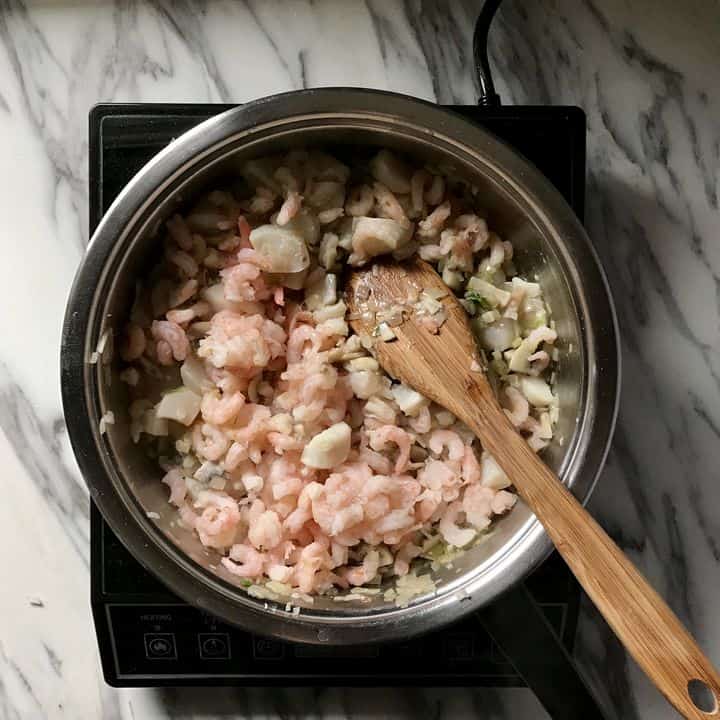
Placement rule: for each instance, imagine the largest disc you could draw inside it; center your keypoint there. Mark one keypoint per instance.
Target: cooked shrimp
(360, 201)
(221, 409)
(422, 422)
(183, 261)
(477, 505)
(391, 433)
(182, 317)
(431, 226)
(173, 336)
(290, 208)
(182, 293)
(516, 406)
(451, 531)
(539, 362)
(218, 523)
(244, 561)
(265, 531)
(447, 439)
(180, 232)
(178, 489)
(134, 343)
(209, 442)
(366, 572)
(470, 466)
(388, 205)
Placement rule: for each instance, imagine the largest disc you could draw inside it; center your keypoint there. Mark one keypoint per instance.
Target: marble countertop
(646, 73)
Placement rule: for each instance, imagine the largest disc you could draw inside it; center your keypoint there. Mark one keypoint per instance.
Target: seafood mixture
(284, 445)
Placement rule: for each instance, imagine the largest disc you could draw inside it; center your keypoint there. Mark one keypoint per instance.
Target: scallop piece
(328, 448)
(283, 249)
(375, 236)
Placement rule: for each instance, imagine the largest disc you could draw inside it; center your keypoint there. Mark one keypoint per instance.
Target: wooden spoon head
(444, 366)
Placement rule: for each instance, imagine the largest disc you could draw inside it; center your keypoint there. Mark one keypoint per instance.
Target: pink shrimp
(365, 572)
(516, 406)
(244, 230)
(447, 439)
(220, 410)
(218, 523)
(242, 282)
(242, 342)
(449, 529)
(311, 560)
(422, 422)
(180, 232)
(244, 561)
(209, 442)
(181, 317)
(435, 193)
(473, 229)
(265, 531)
(173, 335)
(183, 261)
(497, 252)
(477, 505)
(470, 466)
(164, 353)
(436, 475)
(289, 486)
(538, 362)
(360, 201)
(134, 343)
(178, 489)
(301, 335)
(417, 189)
(394, 434)
(379, 463)
(404, 557)
(503, 501)
(290, 208)
(279, 296)
(388, 205)
(428, 502)
(182, 293)
(431, 226)
(282, 443)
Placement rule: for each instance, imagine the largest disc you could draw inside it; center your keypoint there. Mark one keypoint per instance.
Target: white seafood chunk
(328, 448)
(284, 249)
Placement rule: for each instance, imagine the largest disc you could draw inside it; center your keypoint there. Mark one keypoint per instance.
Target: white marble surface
(647, 74)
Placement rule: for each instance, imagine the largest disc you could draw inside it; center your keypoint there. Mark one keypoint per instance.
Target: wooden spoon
(445, 368)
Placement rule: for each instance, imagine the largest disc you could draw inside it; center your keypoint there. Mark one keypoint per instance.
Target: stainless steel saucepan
(520, 204)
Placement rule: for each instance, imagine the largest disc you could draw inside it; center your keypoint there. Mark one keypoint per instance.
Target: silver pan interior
(519, 204)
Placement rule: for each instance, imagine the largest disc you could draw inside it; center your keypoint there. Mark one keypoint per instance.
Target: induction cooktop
(149, 637)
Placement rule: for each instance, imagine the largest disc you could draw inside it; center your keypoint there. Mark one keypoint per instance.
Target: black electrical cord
(488, 97)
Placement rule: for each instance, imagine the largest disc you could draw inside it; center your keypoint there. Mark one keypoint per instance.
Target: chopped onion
(193, 375)
(499, 335)
(181, 405)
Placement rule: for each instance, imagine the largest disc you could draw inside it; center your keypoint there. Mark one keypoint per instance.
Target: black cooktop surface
(148, 636)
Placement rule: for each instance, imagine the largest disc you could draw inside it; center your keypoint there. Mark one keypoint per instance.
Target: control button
(459, 647)
(160, 646)
(265, 649)
(214, 646)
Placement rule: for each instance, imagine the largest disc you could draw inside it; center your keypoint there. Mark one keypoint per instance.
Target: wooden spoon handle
(640, 618)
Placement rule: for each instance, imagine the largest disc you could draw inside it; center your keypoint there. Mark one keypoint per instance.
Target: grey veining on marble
(647, 74)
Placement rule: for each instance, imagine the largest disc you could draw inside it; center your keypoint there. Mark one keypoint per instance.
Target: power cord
(488, 97)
